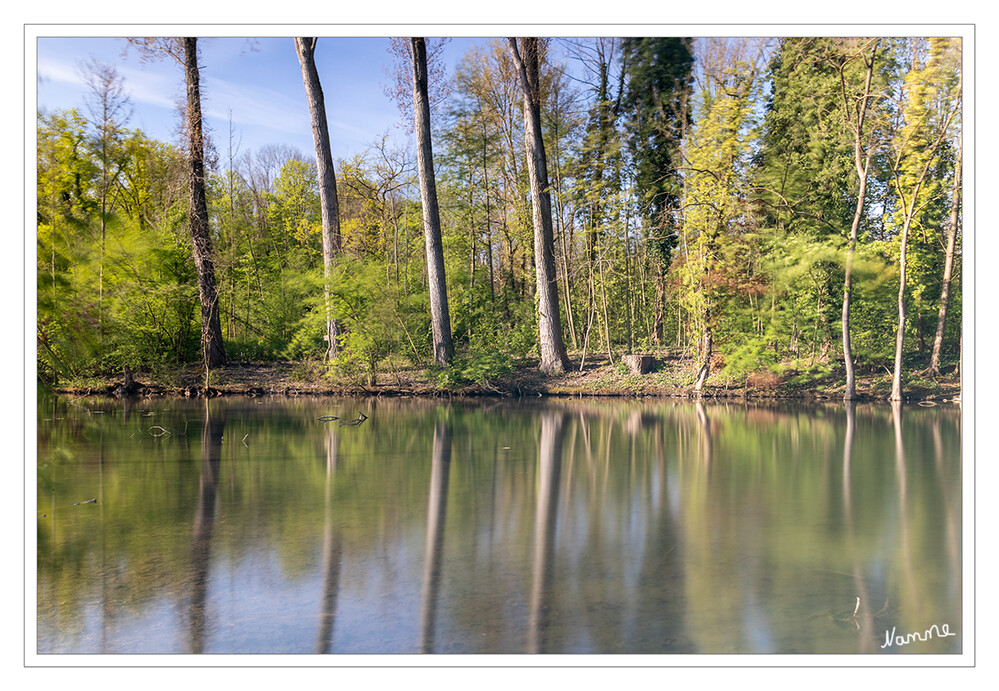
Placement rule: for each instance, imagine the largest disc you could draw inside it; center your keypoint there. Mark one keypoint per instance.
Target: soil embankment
(597, 377)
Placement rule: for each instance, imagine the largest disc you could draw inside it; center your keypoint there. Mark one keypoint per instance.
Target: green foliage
(806, 169)
(377, 320)
(676, 211)
(306, 325)
(659, 77)
(476, 365)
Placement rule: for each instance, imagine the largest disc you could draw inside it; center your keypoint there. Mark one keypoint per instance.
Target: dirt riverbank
(598, 377)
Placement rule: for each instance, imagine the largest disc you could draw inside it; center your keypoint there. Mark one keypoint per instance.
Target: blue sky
(256, 80)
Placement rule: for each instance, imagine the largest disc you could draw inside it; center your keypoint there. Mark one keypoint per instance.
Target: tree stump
(639, 364)
(129, 381)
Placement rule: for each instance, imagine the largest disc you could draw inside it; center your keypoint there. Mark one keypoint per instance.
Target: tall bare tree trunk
(862, 161)
(955, 214)
(553, 355)
(213, 349)
(439, 316)
(306, 49)
(851, 387)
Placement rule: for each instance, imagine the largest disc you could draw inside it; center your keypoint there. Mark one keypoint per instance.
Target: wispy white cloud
(264, 98)
(58, 72)
(268, 109)
(254, 106)
(155, 87)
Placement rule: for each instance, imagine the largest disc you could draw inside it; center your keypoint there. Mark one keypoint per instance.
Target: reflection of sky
(255, 607)
(756, 626)
(152, 629)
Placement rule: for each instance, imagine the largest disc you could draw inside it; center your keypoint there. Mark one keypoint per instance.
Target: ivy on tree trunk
(213, 349)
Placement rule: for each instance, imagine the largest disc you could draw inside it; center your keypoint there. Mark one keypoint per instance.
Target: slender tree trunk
(955, 211)
(707, 347)
(659, 323)
(862, 163)
(629, 312)
(306, 50)
(911, 208)
(472, 232)
(212, 346)
(553, 356)
(564, 253)
(489, 232)
(851, 388)
(896, 380)
(565, 287)
(439, 315)
(603, 299)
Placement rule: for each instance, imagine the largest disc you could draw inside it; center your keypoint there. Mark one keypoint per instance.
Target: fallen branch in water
(361, 417)
(164, 431)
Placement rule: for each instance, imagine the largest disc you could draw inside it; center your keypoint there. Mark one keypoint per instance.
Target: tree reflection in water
(436, 515)
(498, 527)
(332, 550)
(213, 427)
(546, 514)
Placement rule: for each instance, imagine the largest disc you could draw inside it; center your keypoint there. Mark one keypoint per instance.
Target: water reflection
(204, 522)
(861, 618)
(332, 550)
(568, 527)
(546, 515)
(436, 515)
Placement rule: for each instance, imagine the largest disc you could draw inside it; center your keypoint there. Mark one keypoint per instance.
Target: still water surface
(249, 526)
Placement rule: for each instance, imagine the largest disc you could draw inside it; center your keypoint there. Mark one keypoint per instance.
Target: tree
(110, 109)
(306, 50)
(185, 52)
(553, 356)
(659, 74)
(865, 144)
(211, 328)
(717, 213)
(599, 174)
(439, 316)
(931, 104)
(488, 88)
(948, 275)
(64, 175)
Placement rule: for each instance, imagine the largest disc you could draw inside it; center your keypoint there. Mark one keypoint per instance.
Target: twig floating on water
(163, 431)
(89, 501)
(327, 418)
(361, 417)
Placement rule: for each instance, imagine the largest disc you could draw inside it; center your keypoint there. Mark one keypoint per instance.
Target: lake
(249, 525)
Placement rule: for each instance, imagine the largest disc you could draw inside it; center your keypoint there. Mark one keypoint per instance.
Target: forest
(784, 208)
